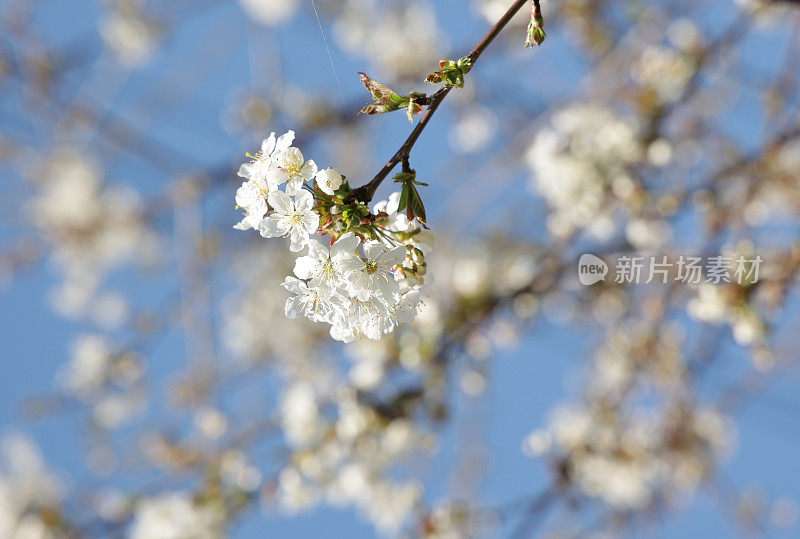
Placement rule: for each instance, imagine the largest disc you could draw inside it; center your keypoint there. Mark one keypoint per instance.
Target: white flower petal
(317, 251)
(293, 307)
(388, 287)
(374, 249)
(268, 145)
(309, 170)
(268, 227)
(284, 141)
(297, 240)
(350, 262)
(304, 201)
(246, 171)
(393, 203)
(347, 243)
(275, 177)
(394, 256)
(294, 285)
(246, 194)
(305, 267)
(310, 222)
(295, 186)
(281, 202)
(406, 308)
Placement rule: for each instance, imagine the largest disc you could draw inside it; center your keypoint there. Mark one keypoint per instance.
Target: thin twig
(365, 192)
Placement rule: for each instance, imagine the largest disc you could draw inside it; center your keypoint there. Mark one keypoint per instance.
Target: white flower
(398, 222)
(176, 515)
(293, 218)
(343, 331)
(269, 12)
(308, 302)
(578, 162)
(261, 175)
(397, 37)
(264, 162)
(26, 486)
(369, 317)
(250, 197)
(323, 266)
(292, 168)
(130, 37)
(329, 180)
(89, 366)
(300, 414)
(389, 206)
(373, 275)
(247, 194)
(406, 309)
(374, 316)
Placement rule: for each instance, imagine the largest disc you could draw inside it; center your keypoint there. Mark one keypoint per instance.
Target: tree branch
(365, 192)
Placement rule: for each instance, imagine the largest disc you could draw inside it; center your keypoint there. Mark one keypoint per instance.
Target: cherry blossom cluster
(366, 280)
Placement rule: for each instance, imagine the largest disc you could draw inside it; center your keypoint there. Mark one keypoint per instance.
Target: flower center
(293, 167)
(371, 267)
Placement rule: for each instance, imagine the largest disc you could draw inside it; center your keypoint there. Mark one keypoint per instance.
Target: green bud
(536, 33)
(451, 72)
(464, 64)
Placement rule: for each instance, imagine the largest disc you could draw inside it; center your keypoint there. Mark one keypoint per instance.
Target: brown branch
(365, 192)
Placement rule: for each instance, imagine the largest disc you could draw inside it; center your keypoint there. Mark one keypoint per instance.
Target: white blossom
(397, 37)
(324, 266)
(25, 486)
(176, 516)
(578, 162)
(250, 197)
(291, 168)
(329, 180)
(262, 165)
(269, 12)
(292, 218)
(361, 290)
(372, 275)
(130, 37)
(308, 302)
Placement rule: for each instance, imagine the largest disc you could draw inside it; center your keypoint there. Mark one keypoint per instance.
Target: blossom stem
(365, 192)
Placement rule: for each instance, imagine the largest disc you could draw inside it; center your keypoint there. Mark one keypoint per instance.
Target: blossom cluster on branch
(368, 280)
